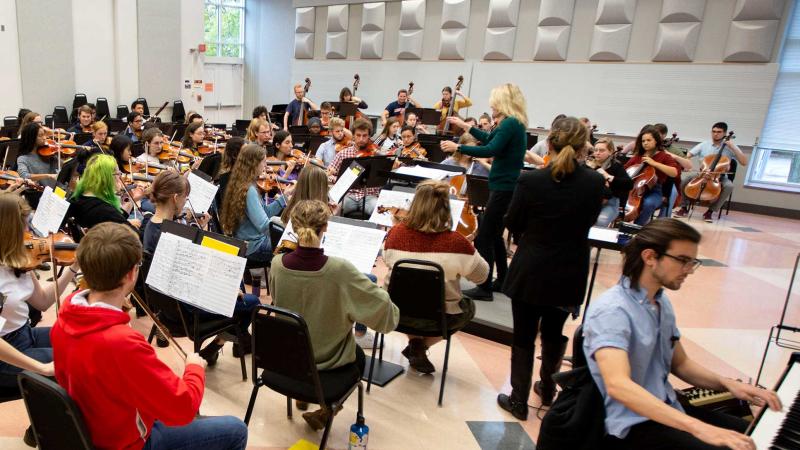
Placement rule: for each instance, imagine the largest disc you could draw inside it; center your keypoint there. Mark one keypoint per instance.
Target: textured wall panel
(610, 42)
(412, 15)
(682, 11)
(614, 12)
(371, 44)
(373, 17)
(676, 41)
(455, 14)
(337, 18)
(551, 44)
(304, 20)
(336, 45)
(503, 13)
(304, 45)
(453, 43)
(409, 44)
(758, 10)
(751, 41)
(556, 12)
(499, 43)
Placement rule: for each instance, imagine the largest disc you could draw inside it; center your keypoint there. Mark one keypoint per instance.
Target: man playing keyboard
(632, 344)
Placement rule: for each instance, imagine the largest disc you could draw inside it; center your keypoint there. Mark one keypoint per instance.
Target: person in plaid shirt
(361, 145)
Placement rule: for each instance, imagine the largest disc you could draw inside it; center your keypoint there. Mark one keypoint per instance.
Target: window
(776, 159)
(224, 28)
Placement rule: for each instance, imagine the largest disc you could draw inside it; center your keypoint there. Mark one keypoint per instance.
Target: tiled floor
(725, 311)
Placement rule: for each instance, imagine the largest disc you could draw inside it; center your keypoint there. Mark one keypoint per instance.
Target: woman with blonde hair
(259, 132)
(245, 214)
(617, 180)
(426, 234)
(553, 209)
(506, 143)
(330, 294)
(312, 184)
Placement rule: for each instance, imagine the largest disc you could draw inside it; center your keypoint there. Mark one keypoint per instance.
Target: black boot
(521, 373)
(552, 355)
(211, 353)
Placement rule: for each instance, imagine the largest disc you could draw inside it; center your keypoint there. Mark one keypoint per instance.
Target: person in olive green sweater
(331, 295)
(506, 144)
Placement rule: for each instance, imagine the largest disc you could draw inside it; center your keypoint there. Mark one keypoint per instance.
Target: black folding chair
(146, 108)
(122, 111)
(417, 288)
(57, 421)
(60, 115)
(282, 350)
(178, 112)
(102, 108)
(10, 121)
(77, 102)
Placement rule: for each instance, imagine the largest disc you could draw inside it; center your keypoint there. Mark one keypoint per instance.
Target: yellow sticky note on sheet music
(60, 192)
(219, 245)
(303, 444)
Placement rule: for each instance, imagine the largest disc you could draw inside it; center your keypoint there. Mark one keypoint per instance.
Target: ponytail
(309, 218)
(563, 163)
(566, 135)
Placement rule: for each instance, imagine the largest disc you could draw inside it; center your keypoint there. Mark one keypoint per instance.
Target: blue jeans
(262, 253)
(32, 342)
(211, 433)
(242, 311)
(360, 327)
(608, 213)
(667, 210)
(650, 202)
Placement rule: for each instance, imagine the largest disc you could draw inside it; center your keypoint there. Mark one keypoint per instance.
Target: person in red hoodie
(128, 397)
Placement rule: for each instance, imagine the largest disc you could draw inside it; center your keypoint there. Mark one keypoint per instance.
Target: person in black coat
(553, 208)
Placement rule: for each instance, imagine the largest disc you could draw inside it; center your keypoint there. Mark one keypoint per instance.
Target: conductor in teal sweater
(506, 144)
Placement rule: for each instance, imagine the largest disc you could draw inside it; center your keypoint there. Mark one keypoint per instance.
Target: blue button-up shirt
(707, 148)
(624, 318)
(326, 152)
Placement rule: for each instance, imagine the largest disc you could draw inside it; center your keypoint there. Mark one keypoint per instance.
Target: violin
(444, 125)
(39, 250)
(367, 151)
(207, 148)
(65, 148)
(415, 151)
(706, 186)
(644, 178)
(270, 183)
(398, 214)
(343, 144)
(468, 222)
(9, 176)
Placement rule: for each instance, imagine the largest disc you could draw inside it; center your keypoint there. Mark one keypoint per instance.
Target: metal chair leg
(380, 351)
(327, 431)
(372, 361)
(444, 371)
(251, 404)
(360, 398)
(153, 330)
(289, 407)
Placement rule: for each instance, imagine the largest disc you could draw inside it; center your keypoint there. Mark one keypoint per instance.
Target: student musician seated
(193, 137)
(632, 344)
(360, 145)
(138, 106)
(535, 155)
(259, 133)
(120, 148)
(30, 164)
(95, 199)
(152, 139)
(99, 137)
(409, 147)
(297, 109)
(315, 127)
(312, 184)
(398, 107)
(389, 139)
(649, 150)
(617, 180)
(709, 148)
(135, 126)
(283, 145)
(425, 233)
(413, 121)
(85, 120)
(325, 115)
(128, 397)
(338, 141)
(474, 166)
(245, 214)
(485, 122)
(229, 156)
(330, 294)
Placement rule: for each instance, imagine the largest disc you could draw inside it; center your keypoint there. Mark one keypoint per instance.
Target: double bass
(303, 118)
(706, 186)
(444, 125)
(402, 116)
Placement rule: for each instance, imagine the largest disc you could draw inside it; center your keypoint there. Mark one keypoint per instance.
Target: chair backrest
(60, 114)
(275, 233)
(275, 330)
(75, 231)
(102, 108)
(57, 421)
(146, 108)
(10, 121)
(178, 113)
(578, 357)
(9, 150)
(417, 288)
(78, 101)
(122, 111)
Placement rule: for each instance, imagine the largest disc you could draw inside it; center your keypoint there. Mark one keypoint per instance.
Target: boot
(417, 354)
(211, 353)
(521, 373)
(552, 355)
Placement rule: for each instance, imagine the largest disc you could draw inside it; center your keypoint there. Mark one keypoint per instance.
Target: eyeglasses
(688, 263)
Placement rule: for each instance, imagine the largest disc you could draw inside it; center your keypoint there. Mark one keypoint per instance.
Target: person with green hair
(95, 198)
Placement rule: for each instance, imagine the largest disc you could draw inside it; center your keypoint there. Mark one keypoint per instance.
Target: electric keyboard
(781, 429)
(723, 402)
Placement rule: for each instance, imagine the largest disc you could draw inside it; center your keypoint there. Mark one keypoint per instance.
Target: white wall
(126, 52)
(191, 68)
(95, 54)
(10, 79)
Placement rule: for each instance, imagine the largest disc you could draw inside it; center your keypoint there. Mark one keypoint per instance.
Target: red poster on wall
(209, 87)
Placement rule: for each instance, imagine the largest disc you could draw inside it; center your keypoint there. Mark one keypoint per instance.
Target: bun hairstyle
(309, 219)
(567, 137)
(430, 210)
(167, 184)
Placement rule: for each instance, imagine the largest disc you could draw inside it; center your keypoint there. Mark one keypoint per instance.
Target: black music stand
(344, 109)
(279, 108)
(599, 244)
(115, 125)
(298, 130)
(313, 142)
(426, 116)
(433, 150)
(477, 190)
(376, 174)
(532, 139)
(81, 138)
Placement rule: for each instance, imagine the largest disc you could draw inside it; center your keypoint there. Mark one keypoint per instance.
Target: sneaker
(683, 212)
(366, 340)
(211, 353)
(417, 355)
(708, 216)
(161, 341)
(479, 294)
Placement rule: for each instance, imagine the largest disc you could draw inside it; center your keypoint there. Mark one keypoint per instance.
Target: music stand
(376, 174)
(477, 190)
(346, 109)
(81, 138)
(298, 130)
(115, 125)
(435, 153)
(241, 124)
(532, 139)
(313, 142)
(279, 108)
(426, 116)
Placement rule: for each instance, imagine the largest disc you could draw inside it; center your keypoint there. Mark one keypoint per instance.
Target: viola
(468, 221)
(644, 178)
(39, 250)
(706, 186)
(9, 176)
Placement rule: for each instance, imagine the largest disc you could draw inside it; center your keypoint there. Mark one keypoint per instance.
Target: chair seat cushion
(335, 384)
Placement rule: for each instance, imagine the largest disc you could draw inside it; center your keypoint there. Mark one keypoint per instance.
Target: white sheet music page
(201, 194)
(403, 200)
(603, 234)
(344, 182)
(50, 212)
(359, 245)
(160, 272)
(425, 172)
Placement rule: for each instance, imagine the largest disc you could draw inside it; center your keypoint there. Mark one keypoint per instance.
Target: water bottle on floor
(359, 434)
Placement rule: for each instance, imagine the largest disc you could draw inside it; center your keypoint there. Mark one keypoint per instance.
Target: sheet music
(358, 245)
(201, 194)
(50, 213)
(403, 200)
(426, 172)
(344, 182)
(604, 234)
(196, 275)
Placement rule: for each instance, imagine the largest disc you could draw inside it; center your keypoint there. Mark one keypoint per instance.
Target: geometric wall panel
(373, 17)
(610, 42)
(499, 43)
(751, 41)
(613, 12)
(371, 44)
(304, 20)
(676, 41)
(556, 12)
(682, 11)
(455, 14)
(453, 43)
(758, 10)
(503, 13)
(412, 15)
(551, 43)
(337, 18)
(304, 45)
(409, 44)
(336, 45)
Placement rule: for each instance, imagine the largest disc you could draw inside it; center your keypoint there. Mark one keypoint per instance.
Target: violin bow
(53, 263)
(161, 328)
(130, 196)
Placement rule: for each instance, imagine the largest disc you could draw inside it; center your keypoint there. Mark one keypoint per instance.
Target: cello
(644, 178)
(468, 222)
(706, 186)
(444, 126)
